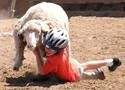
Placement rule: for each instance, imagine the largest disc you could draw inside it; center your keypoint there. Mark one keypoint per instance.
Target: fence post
(13, 3)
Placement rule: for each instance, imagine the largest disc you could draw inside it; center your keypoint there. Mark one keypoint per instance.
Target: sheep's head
(32, 39)
(31, 32)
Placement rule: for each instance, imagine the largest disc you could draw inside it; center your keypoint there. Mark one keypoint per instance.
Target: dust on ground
(92, 38)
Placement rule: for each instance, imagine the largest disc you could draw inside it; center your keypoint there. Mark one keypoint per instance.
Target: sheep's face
(32, 39)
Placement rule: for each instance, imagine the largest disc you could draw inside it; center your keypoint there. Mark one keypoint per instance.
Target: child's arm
(39, 59)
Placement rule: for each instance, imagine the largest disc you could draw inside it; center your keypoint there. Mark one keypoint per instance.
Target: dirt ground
(92, 38)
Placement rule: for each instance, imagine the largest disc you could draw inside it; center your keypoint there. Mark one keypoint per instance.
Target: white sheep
(30, 27)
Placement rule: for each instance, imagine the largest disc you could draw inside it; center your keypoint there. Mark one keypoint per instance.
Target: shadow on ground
(33, 80)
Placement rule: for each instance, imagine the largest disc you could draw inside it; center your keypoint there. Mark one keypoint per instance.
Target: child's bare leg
(113, 63)
(89, 74)
(92, 69)
(96, 64)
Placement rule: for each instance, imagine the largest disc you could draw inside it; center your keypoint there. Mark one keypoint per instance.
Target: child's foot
(100, 74)
(116, 63)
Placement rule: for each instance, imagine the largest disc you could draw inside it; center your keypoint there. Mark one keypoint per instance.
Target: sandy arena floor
(92, 38)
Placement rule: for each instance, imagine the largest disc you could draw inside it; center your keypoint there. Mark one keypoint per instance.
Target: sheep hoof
(15, 68)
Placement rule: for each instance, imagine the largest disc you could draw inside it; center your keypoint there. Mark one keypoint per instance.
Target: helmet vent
(50, 31)
(61, 42)
(56, 42)
(51, 41)
(58, 30)
(50, 37)
(62, 34)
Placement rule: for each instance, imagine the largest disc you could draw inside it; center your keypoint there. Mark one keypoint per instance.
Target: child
(66, 68)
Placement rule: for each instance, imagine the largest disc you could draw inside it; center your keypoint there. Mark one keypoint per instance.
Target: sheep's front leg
(19, 46)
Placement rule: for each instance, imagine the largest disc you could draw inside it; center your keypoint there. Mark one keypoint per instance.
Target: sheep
(33, 24)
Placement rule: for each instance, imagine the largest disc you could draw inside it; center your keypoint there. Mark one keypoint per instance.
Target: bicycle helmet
(56, 39)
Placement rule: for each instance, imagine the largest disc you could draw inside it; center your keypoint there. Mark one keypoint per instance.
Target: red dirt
(92, 38)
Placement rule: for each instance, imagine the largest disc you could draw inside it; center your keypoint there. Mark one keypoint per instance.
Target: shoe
(116, 63)
(100, 74)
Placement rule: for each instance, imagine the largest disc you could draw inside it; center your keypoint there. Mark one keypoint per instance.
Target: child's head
(55, 40)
